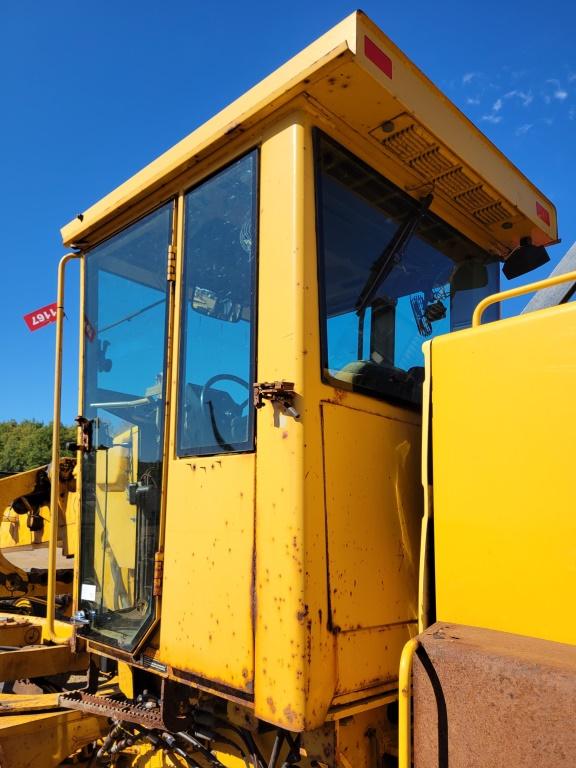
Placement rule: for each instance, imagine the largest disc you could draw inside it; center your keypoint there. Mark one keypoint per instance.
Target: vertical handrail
(404, 703)
(49, 629)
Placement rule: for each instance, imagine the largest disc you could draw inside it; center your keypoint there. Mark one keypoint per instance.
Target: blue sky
(91, 92)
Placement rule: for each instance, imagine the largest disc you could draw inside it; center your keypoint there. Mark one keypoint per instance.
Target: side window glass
(218, 309)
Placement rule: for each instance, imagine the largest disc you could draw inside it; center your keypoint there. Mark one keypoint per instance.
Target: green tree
(28, 444)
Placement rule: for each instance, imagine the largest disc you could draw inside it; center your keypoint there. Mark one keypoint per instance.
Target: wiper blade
(384, 263)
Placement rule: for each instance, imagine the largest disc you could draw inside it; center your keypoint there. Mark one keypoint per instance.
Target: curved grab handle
(520, 291)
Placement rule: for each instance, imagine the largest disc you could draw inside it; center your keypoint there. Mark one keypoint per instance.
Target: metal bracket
(281, 392)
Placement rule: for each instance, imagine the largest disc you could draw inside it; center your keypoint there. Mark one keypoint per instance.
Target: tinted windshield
(429, 285)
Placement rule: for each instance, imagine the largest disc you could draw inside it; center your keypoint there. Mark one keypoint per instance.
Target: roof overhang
(356, 74)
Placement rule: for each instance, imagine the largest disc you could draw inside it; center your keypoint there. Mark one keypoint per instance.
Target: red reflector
(378, 57)
(542, 213)
(41, 317)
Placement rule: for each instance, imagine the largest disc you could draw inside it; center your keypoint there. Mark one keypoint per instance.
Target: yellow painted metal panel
(369, 658)
(45, 739)
(373, 513)
(206, 627)
(504, 494)
(282, 672)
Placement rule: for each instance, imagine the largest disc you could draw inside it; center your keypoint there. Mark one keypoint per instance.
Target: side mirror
(524, 258)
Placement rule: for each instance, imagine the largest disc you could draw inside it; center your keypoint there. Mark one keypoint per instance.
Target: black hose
(259, 761)
(199, 747)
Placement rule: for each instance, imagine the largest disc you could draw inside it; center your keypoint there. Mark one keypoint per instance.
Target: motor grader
(325, 512)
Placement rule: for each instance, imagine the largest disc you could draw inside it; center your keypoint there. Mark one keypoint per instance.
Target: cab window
(218, 309)
(392, 275)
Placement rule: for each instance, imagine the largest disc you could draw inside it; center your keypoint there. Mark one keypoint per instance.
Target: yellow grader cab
(288, 510)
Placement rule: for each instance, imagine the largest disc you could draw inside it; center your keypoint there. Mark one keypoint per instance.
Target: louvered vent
(415, 147)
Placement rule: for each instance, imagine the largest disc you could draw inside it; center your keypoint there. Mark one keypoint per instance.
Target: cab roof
(355, 73)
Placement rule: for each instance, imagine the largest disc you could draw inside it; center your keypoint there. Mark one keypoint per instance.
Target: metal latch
(281, 392)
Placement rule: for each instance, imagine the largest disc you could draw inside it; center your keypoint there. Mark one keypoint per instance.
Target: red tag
(41, 317)
(542, 213)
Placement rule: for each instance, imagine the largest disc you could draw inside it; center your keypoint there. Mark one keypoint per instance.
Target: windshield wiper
(384, 263)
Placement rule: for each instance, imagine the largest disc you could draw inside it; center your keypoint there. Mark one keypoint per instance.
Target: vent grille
(416, 148)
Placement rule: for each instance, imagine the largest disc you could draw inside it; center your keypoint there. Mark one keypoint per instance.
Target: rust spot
(234, 129)
(245, 673)
(301, 615)
(284, 435)
(270, 702)
(339, 396)
(289, 714)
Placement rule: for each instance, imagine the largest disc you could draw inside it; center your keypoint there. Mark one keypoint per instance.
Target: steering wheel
(222, 442)
(224, 377)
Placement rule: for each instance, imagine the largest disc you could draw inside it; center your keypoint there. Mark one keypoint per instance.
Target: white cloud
(523, 129)
(572, 113)
(526, 97)
(472, 100)
(468, 77)
(492, 118)
(497, 106)
(572, 77)
(560, 93)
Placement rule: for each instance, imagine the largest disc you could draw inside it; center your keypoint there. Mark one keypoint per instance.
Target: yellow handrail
(404, 703)
(49, 630)
(519, 291)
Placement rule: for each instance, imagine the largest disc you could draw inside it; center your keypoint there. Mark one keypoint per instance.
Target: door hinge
(171, 267)
(158, 573)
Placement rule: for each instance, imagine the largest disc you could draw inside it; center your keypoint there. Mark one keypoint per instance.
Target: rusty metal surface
(486, 699)
(40, 661)
(119, 710)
